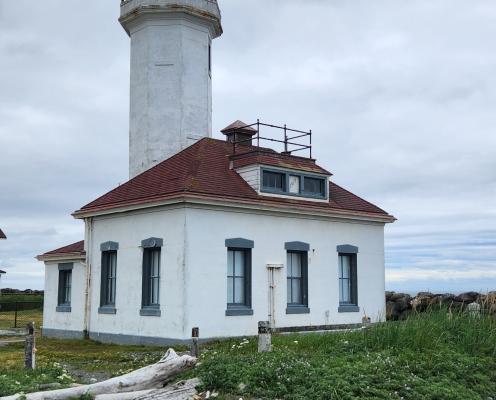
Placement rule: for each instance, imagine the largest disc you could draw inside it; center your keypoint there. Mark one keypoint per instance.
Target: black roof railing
(290, 146)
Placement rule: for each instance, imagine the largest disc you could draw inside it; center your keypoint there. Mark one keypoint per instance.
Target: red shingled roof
(2, 235)
(203, 170)
(275, 159)
(74, 248)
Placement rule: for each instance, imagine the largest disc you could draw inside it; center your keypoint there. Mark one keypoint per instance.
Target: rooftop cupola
(239, 132)
(171, 76)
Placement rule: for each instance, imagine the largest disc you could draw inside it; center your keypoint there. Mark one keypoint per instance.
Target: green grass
(12, 298)
(428, 356)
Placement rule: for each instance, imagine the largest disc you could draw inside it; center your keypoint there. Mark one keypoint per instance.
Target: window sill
(150, 312)
(63, 309)
(232, 312)
(348, 308)
(301, 195)
(297, 310)
(107, 310)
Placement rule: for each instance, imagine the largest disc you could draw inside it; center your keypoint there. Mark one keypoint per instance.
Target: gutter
(286, 209)
(62, 257)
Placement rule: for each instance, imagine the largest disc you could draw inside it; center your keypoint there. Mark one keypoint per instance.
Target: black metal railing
(290, 146)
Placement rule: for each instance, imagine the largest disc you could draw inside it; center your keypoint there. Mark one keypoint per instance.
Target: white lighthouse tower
(171, 80)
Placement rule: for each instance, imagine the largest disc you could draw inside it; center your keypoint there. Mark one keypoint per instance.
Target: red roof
(2, 235)
(264, 157)
(74, 248)
(203, 170)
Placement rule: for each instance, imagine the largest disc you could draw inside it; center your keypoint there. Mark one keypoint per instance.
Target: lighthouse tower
(171, 76)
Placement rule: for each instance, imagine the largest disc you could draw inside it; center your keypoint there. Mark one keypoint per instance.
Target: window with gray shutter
(151, 277)
(64, 288)
(239, 276)
(109, 277)
(348, 279)
(297, 282)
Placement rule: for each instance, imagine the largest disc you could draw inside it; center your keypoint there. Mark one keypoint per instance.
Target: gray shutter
(354, 279)
(304, 270)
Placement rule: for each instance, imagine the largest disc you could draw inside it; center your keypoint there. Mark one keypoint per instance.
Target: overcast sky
(401, 96)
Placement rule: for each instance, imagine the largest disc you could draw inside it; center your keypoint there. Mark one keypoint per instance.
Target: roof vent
(240, 133)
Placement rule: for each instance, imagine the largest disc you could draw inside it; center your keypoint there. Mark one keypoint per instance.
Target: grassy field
(12, 298)
(429, 356)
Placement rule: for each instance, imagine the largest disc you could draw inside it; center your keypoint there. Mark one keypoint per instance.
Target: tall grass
(435, 354)
(436, 329)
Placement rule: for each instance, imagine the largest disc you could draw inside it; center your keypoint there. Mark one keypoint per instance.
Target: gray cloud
(399, 94)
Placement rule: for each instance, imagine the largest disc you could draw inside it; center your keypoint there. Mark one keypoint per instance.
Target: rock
(403, 302)
(421, 302)
(468, 297)
(389, 295)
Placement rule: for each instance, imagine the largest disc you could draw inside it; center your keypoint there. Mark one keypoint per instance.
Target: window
(239, 276)
(297, 279)
(151, 277)
(152, 250)
(314, 186)
(109, 274)
(348, 281)
(294, 184)
(65, 288)
(274, 181)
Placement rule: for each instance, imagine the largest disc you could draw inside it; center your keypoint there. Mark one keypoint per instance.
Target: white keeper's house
(215, 234)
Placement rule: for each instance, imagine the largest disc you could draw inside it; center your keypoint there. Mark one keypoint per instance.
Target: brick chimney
(240, 133)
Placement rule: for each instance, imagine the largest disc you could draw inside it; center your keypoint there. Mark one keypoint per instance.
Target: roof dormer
(273, 173)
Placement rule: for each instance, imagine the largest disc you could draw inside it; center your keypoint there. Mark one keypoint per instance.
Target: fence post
(264, 337)
(15, 315)
(30, 348)
(195, 347)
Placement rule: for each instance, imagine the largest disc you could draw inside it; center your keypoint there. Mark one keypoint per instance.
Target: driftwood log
(183, 390)
(153, 376)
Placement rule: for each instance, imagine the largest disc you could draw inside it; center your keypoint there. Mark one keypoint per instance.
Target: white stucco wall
(70, 324)
(194, 266)
(206, 270)
(129, 230)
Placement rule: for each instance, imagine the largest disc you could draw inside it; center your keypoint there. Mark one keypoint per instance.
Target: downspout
(186, 316)
(87, 301)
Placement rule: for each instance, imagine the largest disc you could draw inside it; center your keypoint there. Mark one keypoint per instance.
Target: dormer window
(292, 183)
(274, 181)
(314, 186)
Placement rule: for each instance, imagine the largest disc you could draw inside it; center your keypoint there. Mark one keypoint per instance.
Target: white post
(264, 337)
(474, 309)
